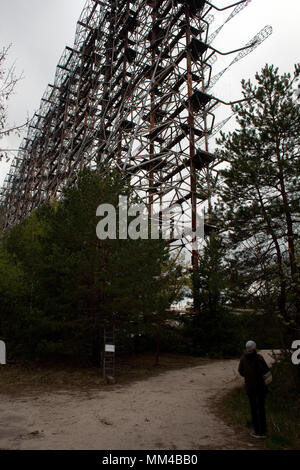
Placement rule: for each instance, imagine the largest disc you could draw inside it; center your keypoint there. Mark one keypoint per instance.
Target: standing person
(253, 367)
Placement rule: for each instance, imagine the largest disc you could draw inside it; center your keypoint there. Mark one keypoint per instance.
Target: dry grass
(24, 378)
(282, 411)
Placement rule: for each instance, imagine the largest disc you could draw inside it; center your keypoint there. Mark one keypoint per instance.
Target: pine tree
(213, 327)
(260, 189)
(76, 284)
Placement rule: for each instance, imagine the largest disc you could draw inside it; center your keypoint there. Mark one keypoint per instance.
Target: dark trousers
(257, 407)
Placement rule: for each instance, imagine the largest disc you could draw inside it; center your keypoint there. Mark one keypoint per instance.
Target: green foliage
(74, 284)
(282, 409)
(210, 278)
(60, 285)
(213, 330)
(13, 297)
(259, 194)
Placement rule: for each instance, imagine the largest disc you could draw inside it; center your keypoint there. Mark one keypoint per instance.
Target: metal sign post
(109, 355)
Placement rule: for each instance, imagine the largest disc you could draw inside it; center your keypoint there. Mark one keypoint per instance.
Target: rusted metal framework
(132, 93)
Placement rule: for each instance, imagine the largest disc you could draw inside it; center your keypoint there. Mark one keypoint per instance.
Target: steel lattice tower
(133, 93)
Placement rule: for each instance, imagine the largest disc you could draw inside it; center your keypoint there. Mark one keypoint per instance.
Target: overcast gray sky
(40, 29)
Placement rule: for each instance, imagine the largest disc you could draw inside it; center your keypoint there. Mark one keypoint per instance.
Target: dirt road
(171, 411)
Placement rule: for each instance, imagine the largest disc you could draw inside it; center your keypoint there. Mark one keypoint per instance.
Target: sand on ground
(174, 410)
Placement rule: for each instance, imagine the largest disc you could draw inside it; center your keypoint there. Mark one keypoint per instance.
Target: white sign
(110, 348)
(2, 353)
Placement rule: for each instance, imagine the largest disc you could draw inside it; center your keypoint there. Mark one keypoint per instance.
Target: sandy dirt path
(174, 410)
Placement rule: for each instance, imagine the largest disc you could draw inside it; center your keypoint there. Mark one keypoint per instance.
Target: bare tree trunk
(288, 217)
(282, 295)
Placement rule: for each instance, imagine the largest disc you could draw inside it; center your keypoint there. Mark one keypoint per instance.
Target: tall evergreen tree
(77, 284)
(213, 329)
(260, 189)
